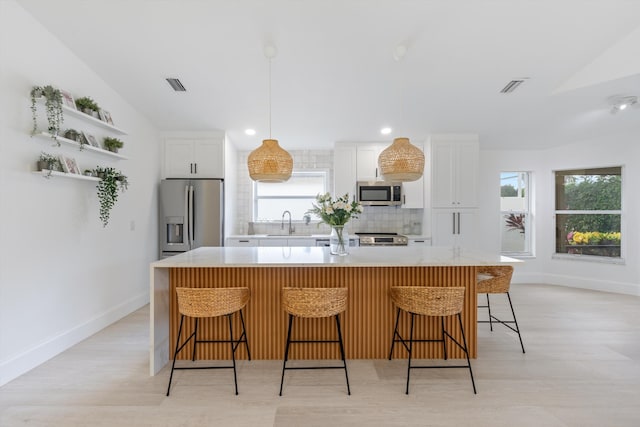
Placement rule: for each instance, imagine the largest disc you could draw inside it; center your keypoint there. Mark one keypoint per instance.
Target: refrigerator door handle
(187, 222)
(191, 217)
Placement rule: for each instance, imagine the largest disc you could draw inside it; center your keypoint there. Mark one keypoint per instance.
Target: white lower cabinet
(271, 241)
(419, 241)
(454, 227)
(233, 241)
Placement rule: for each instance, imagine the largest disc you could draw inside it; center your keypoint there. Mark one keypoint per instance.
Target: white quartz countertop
(390, 256)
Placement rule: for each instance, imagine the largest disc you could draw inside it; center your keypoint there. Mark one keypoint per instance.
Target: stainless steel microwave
(379, 193)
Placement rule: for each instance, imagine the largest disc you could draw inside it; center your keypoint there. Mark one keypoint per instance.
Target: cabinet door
(455, 228)
(367, 162)
(344, 171)
(301, 242)
(467, 157)
(413, 194)
(178, 155)
(208, 158)
(273, 242)
(443, 172)
(419, 241)
(241, 242)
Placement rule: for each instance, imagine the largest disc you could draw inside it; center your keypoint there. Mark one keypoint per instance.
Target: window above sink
(295, 195)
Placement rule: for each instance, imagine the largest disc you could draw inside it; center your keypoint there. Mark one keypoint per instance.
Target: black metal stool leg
(395, 332)
(344, 361)
(286, 352)
(444, 344)
(244, 332)
(175, 353)
(466, 352)
(195, 340)
(410, 351)
(233, 352)
(515, 322)
(489, 309)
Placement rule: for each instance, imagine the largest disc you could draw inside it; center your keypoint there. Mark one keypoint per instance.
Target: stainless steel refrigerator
(191, 214)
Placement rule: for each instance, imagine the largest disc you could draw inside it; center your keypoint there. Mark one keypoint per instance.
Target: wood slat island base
(367, 323)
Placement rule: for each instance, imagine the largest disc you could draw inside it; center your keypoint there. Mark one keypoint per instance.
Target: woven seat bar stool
(434, 302)
(200, 303)
(497, 280)
(314, 303)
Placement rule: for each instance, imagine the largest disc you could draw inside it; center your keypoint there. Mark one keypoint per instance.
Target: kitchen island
(368, 273)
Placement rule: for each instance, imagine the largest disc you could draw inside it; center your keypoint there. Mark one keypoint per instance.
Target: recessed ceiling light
(622, 103)
(385, 131)
(250, 132)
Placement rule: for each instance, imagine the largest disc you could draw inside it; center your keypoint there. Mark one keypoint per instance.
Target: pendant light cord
(269, 98)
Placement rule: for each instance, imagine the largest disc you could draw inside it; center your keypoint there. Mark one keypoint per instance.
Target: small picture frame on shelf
(69, 165)
(91, 140)
(67, 99)
(105, 116)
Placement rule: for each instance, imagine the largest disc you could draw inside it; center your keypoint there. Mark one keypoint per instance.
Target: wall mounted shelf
(88, 118)
(87, 147)
(45, 173)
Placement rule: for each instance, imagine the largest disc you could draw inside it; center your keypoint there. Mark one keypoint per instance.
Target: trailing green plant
(112, 144)
(108, 190)
(86, 103)
(53, 104)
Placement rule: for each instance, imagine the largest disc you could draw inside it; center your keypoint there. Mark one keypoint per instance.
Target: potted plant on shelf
(88, 106)
(110, 180)
(53, 104)
(48, 162)
(113, 144)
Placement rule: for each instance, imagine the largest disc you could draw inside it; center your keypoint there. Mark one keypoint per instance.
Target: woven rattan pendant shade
(270, 163)
(401, 161)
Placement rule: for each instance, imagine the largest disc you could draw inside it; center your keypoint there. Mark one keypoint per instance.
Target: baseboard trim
(578, 282)
(29, 359)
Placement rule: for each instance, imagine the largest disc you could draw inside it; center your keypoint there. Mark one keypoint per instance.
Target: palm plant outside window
(515, 213)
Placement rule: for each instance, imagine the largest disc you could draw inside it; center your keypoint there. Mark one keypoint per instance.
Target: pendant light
(269, 162)
(401, 161)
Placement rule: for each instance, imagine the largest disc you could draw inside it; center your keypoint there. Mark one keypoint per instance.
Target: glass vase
(339, 240)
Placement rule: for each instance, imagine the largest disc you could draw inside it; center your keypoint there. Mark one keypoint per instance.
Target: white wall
(62, 275)
(615, 150)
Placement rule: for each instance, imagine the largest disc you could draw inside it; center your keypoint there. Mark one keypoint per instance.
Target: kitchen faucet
(291, 229)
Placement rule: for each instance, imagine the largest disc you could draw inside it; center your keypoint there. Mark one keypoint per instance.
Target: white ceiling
(335, 78)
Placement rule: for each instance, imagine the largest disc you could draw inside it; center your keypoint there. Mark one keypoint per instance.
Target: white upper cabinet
(455, 172)
(194, 158)
(344, 170)
(367, 161)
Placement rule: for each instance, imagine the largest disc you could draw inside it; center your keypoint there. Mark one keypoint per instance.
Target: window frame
(307, 172)
(530, 225)
(620, 212)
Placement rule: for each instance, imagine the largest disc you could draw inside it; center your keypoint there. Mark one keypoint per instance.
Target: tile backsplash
(387, 219)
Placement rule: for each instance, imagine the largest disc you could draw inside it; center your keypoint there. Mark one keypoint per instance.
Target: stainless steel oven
(382, 239)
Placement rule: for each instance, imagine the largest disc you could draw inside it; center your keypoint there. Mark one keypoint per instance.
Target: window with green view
(589, 211)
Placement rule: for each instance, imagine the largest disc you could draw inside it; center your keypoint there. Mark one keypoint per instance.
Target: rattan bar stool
(497, 280)
(211, 302)
(314, 303)
(435, 302)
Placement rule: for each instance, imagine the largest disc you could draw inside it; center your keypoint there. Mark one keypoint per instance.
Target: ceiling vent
(511, 86)
(176, 85)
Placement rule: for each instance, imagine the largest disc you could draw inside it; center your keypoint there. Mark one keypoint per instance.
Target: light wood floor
(582, 368)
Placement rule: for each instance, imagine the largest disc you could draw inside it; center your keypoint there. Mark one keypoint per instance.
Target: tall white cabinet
(454, 189)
